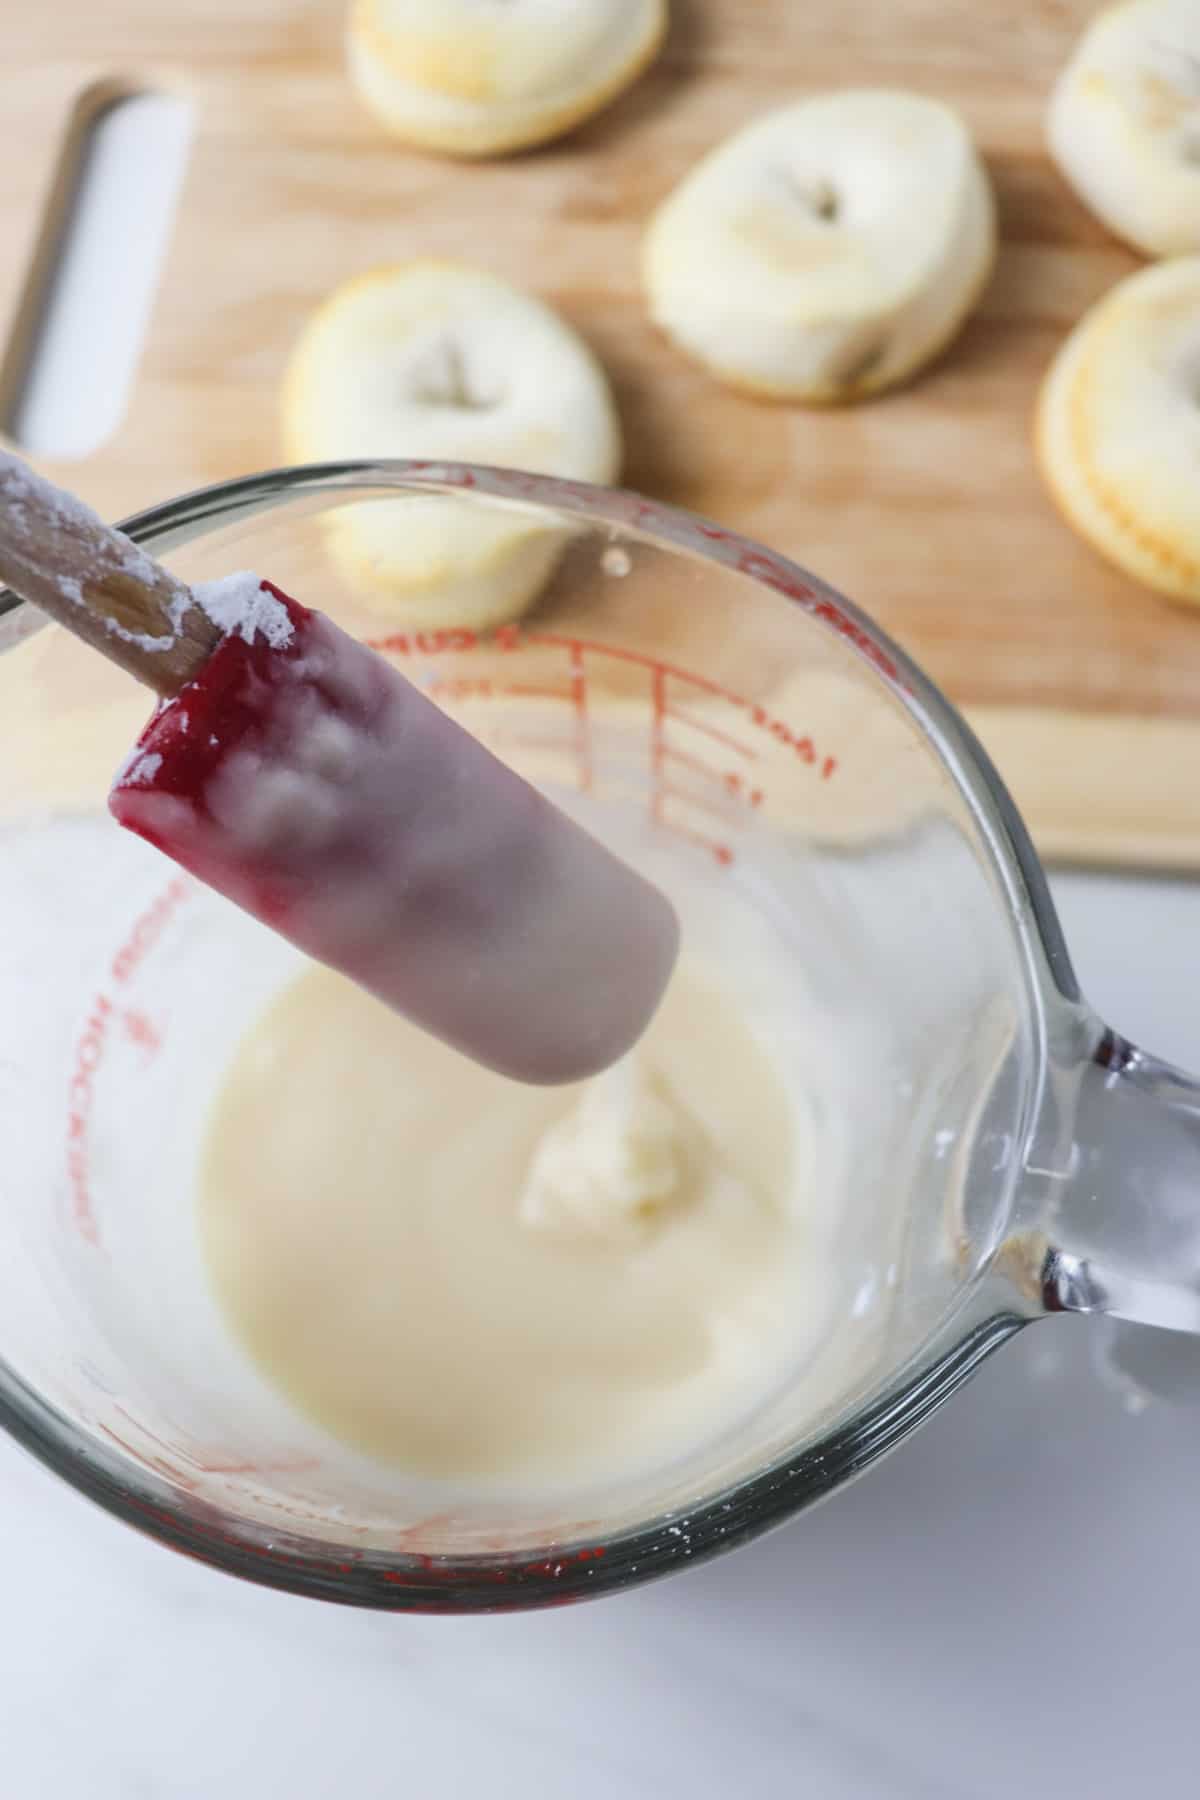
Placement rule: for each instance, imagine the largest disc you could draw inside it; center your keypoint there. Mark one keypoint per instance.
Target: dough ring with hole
(1124, 123)
(1118, 427)
(481, 77)
(826, 251)
(449, 364)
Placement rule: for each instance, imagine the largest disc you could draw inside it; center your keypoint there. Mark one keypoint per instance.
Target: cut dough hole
(816, 194)
(823, 201)
(441, 378)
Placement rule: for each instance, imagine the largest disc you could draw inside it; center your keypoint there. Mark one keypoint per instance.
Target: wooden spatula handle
(56, 553)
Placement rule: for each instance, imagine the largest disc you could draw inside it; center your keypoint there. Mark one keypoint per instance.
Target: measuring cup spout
(1117, 1186)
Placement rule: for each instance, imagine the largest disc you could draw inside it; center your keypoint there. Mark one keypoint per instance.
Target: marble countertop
(1007, 1605)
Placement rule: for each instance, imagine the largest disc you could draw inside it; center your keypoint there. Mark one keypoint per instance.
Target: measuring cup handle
(1119, 1226)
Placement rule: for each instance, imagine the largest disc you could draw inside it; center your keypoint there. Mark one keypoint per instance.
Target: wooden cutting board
(925, 507)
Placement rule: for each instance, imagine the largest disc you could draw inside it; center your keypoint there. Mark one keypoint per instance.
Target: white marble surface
(1008, 1605)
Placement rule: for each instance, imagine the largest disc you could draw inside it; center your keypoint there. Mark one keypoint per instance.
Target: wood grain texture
(104, 590)
(924, 506)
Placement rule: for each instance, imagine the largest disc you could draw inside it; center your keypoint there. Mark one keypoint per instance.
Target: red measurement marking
(432, 1525)
(148, 929)
(583, 732)
(846, 627)
(167, 1463)
(141, 1029)
(782, 733)
(703, 803)
(159, 1464)
(447, 474)
(213, 1463)
(81, 1095)
(720, 852)
(425, 643)
(658, 713)
(804, 747)
(730, 781)
(158, 1515)
(777, 573)
(219, 1462)
(713, 732)
(547, 744)
(758, 714)
(93, 1044)
(462, 688)
(761, 566)
(735, 785)
(511, 637)
(591, 647)
(525, 690)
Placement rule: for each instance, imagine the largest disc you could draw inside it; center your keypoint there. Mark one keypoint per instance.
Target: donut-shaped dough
(445, 363)
(826, 251)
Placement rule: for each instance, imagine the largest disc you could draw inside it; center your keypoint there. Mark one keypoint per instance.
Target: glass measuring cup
(991, 1151)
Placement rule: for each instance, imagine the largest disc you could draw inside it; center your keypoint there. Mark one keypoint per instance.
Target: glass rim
(559, 1573)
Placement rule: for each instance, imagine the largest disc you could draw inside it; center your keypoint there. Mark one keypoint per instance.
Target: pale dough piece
(828, 250)
(1124, 123)
(482, 77)
(1118, 427)
(447, 364)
